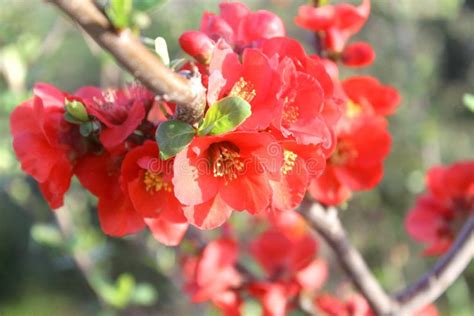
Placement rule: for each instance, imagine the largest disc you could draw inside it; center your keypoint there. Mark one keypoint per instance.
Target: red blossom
(119, 110)
(43, 141)
(146, 179)
(337, 22)
(216, 174)
(253, 80)
(368, 95)
(357, 162)
(211, 275)
(438, 214)
(100, 175)
(240, 27)
(307, 110)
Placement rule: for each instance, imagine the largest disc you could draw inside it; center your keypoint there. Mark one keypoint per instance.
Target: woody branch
(137, 59)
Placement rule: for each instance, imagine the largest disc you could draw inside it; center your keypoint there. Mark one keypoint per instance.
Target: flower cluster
(278, 122)
(439, 213)
(288, 270)
(286, 256)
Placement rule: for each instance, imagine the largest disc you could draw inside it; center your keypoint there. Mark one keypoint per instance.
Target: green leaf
(119, 12)
(468, 100)
(172, 137)
(224, 116)
(144, 5)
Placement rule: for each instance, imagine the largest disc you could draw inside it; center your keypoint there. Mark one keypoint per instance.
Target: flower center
(344, 152)
(290, 113)
(243, 89)
(226, 161)
(288, 162)
(353, 109)
(154, 182)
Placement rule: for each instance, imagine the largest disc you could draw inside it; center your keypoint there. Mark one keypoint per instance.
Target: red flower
(307, 110)
(42, 141)
(337, 22)
(253, 80)
(216, 174)
(147, 181)
(439, 213)
(357, 162)
(368, 95)
(240, 27)
(300, 164)
(213, 275)
(100, 175)
(120, 111)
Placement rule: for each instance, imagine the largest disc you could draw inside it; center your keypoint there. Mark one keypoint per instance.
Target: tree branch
(435, 282)
(327, 224)
(415, 297)
(138, 60)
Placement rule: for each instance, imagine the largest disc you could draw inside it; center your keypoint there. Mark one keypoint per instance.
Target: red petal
(208, 215)
(168, 233)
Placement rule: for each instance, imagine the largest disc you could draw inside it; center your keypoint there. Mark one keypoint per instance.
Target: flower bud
(358, 54)
(197, 45)
(262, 25)
(77, 110)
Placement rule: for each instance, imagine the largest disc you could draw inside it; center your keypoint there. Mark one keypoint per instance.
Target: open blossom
(218, 174)
(146, 180)
(212, 276)
(254, 80)
(438, 214)
(119, 110)
(100, 174)
(301, 163)
(307, 110)
(367, 95)
(357, 161)
(338, 23)
(44, 141)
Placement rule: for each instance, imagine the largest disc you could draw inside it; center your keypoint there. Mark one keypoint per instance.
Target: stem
(435, 282)
(326, 222)
(189, 95)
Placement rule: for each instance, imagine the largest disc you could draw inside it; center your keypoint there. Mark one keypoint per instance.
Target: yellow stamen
(288, 162)
(154, 182)
(290, 113)
(353, 109)
(344, 152)
(243, 89)
(226, 161)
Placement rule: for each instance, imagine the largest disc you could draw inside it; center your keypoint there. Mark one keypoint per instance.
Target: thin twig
(137, 59)
(435, 282)
(327, 224)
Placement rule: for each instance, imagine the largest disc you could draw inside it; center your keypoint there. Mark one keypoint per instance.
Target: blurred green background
(425, 48)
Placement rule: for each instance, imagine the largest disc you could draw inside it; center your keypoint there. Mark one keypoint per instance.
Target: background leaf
(224, 116)
(468, 100)
(119, 12)
(145, 5)
(172, 137)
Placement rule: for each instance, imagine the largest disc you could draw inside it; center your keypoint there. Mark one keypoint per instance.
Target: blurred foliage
(425, 48)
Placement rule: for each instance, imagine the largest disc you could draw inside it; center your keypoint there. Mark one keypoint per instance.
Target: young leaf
(224, 116)
(172, 137)
(469, 101)
(119, 12)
